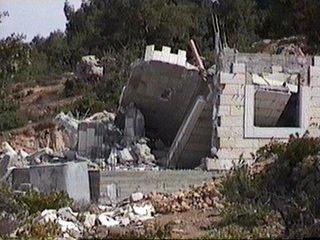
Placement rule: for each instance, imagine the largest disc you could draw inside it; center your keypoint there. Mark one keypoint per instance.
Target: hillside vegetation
(117, 31)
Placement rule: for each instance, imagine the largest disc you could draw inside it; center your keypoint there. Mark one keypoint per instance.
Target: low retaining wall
(114, 186)
(117, 185)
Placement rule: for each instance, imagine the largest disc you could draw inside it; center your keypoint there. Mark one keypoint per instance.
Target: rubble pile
(197, 197)
(69, 139)
(75, 224)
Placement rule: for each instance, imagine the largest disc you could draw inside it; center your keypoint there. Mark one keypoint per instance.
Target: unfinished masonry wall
(235, 136)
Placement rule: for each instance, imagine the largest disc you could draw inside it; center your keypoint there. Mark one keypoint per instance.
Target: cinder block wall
(314, 106)
(231, 109)
(117, 185)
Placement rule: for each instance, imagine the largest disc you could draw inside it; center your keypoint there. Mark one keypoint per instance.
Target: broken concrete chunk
(49, 215)
(125, 155)
(144, 152)
(107, 221)
(67, 226)
(136, 197)
(146, 210)
(89, 220)
(89, 68)
(67, 214)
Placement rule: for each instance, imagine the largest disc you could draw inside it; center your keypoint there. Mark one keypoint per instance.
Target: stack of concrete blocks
(314, 106)
(166, 56)
(230, 132)
(91, 139)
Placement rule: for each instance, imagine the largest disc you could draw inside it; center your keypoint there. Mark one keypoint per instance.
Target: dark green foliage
(31, 201)
(37, 202)
(9, 115)
(85, 107)
(290, 185)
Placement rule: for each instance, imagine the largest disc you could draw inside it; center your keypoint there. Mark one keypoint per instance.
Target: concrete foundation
(117, 185)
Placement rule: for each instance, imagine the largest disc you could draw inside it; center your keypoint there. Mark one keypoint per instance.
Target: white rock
(67, 214)
(67, 225)
(125, 155)
(145, 210)
(107, 221)
(8, 150)
(137, 196)
(125, 221)
(22, 154)
(90, 220)
(49, 215)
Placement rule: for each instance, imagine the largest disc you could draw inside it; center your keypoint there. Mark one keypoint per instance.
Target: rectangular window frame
(251, 131)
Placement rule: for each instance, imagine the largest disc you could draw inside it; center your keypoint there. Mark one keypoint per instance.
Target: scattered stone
(106, 220)
(136, 197)
(67, 214)
(90, 220)
(49, 215)
(67, 225)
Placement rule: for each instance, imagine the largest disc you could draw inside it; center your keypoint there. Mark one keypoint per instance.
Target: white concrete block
(230, 132)
(314, 72)
(316, 61)
(227, 153)
(231, 100)
(233, 89)
(315, 101)
(315, 91)
(314, 112)
(231, 121)
(224, 111)
(173, 59)
(182, 58)
(238, 142)
(157, 56)
(149, 53)
(220, 165)
(239, 68)
(236, 110)
(166, 54)
(231, 78)
(277, 69)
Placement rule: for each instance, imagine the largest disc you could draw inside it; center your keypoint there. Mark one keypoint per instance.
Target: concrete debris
(89, 69)
(107, 221)
(146, 210)
(89, 220)
(70, 125)
(76, 224)
(48, 215)
(136, 197)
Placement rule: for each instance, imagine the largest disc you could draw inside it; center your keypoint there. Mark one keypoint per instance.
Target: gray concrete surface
(70, 177)
(117, 185)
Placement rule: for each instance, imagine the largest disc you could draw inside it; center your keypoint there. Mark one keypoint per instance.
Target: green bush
(37, 202)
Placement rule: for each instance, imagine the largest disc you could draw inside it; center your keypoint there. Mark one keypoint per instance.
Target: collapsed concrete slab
(164, 87)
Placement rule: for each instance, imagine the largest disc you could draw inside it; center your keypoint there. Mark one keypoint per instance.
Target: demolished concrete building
(255, 98)
(210, 122)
